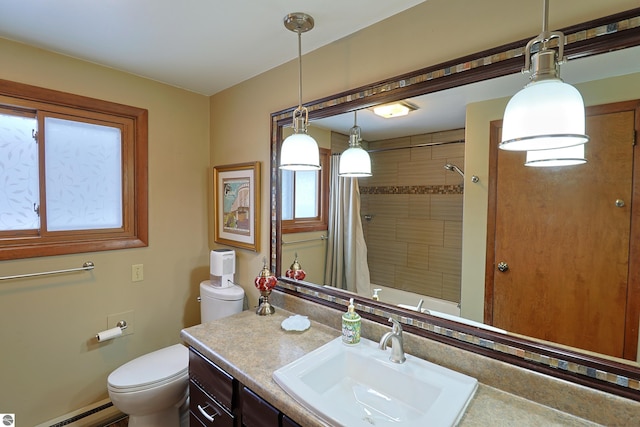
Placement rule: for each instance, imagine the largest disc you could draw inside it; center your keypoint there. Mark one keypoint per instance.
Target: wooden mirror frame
(614, 32)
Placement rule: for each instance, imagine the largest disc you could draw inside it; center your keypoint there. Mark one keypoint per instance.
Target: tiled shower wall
(414, 234)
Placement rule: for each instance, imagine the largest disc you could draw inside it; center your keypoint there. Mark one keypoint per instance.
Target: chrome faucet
(397, 346)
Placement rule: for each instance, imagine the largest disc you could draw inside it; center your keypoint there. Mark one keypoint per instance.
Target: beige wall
(50, 364)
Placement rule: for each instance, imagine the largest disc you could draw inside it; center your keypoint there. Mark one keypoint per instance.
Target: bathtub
(410, 300)
(434, 306)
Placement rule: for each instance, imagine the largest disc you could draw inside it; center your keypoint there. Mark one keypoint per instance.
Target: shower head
(455, 168)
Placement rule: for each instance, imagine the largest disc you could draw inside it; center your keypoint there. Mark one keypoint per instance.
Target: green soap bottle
(351, 323)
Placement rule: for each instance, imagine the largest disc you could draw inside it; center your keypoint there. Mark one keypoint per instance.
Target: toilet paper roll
(109, 334)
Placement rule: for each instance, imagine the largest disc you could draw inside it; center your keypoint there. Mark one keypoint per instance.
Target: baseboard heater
(95, 415)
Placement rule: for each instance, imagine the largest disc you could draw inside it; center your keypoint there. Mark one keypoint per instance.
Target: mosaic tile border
(413, 189)
(551, 362)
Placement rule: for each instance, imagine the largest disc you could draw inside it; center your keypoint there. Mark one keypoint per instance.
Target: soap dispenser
(351, 323)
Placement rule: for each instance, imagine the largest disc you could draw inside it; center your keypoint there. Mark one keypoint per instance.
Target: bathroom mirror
(460, 75)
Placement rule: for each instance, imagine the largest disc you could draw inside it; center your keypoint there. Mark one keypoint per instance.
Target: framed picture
(236, 193)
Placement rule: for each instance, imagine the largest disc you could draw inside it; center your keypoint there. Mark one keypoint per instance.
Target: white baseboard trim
(93, 415)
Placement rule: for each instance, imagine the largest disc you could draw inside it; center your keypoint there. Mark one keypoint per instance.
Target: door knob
(503, 266)
(619, 203)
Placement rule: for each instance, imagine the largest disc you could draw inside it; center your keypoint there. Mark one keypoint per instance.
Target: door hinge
(36, 208)
(34, 134)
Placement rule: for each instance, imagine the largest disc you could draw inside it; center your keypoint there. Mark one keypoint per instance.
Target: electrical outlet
(127, 316)
(137, 272)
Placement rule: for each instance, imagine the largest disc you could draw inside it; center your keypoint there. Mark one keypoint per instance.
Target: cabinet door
(256, 412)
(288, 422)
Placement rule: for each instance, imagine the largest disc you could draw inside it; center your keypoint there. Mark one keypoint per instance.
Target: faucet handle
(397, 327)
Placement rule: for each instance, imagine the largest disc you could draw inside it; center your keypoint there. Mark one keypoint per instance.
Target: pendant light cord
(545, 19)
(299, 70)
(299, 23)
(300, 114)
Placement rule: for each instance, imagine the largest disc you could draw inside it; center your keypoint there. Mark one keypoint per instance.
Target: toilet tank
(219, 302)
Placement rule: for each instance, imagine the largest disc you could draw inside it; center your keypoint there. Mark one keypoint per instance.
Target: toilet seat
(151, 370)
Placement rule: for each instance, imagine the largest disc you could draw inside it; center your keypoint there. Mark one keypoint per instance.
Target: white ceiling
(204, 46)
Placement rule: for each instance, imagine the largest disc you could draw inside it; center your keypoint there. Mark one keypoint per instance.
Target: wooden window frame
(319, 223)
(134, 123)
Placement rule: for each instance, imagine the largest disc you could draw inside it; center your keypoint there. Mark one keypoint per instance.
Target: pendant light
(355, 161)
(299, 150)
(547, 113)
(566, 156)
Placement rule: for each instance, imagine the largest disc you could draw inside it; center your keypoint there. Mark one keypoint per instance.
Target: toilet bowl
(153, 389)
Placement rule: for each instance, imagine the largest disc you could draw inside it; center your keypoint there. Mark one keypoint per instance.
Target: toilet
(153, 389)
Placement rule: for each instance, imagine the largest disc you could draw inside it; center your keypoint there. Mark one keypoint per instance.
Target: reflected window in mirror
(305, 196)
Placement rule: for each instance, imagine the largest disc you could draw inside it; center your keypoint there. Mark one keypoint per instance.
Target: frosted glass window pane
(19, 188)
(83, 175)
(287, 194)
(306, 194)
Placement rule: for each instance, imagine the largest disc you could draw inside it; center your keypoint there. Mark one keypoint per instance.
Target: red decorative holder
(295, 271)
(265, 282)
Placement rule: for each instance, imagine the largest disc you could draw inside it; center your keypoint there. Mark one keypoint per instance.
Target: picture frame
(236, 194)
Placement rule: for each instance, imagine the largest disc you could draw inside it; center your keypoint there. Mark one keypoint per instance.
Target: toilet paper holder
(122, 324)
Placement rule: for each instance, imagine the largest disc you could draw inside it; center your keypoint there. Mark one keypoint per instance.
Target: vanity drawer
(206, 410)
(212, 379)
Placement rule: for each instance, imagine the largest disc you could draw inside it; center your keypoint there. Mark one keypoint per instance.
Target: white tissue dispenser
(222, 266)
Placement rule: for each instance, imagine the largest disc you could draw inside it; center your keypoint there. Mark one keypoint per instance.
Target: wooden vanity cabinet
(288, 422)
(218, 399)
(212, 393)
(256, 412)
(206, 411)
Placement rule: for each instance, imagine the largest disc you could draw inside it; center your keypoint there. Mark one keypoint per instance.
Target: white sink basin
(358, 386)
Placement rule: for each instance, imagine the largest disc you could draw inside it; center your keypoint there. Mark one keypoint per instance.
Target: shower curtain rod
(426, 144)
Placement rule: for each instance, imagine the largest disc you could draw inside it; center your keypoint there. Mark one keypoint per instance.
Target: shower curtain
(346, 265)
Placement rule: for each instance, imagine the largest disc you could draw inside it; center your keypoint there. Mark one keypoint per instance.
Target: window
(305, 198)
(73, 173)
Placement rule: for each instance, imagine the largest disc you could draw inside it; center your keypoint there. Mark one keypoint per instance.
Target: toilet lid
(158, 366)
(230, 293)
